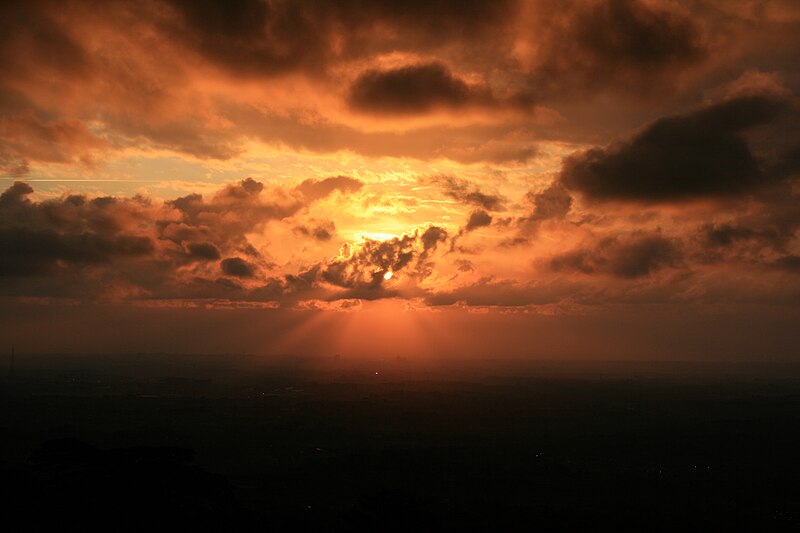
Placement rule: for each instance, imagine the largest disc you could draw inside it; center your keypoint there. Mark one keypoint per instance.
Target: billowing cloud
(160, 248)
(546, 156)
(689, 156)
(218, 248)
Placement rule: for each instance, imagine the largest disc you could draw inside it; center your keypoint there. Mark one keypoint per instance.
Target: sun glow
(376, 236)
(388, 275)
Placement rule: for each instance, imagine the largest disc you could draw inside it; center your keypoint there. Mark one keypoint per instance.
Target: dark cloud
(727, 234)
(314, 189)
(30, 34)
(700, 154)
(627, 45)
(631, 32)
(552, 203)
(237, 267)
(17, 193)
(790, 263)
(255, 37)
(464, 191)
(413, 89)
(478, 219)
(27, 252)
(431, 237)
(622, 257)
(89, 246)
(78, 81)
(39, 237)
(202, 251)
(251, 37)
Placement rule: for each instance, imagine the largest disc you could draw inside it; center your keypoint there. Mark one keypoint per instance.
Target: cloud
(700, 154)
(728, 234)
(78, 84)
(790, 263)
(260, 38)
(631, 32)
(191, 247)
(48, 236)
(164, 249)
(322, 232)
(431, 237)
(314, 189)
(173, 84)
(249, 36)
(25, 137)
(36, 252)
(237, 267)
(414, 89)
(31, 35)
(242, 207)
(477, 219)
(202, 251)
(16, 194)
(361, 268)
(630, 46)
(553, 202)
(223, 221)
(630, 257)
(463, 191)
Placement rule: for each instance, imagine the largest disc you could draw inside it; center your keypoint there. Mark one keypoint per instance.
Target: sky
(542, 179)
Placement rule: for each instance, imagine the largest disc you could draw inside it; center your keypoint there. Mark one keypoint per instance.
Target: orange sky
(541, 178)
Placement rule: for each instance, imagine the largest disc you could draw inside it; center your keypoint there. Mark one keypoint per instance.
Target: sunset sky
(548, 179)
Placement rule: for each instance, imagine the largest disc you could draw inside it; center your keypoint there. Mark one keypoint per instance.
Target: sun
(388, 275)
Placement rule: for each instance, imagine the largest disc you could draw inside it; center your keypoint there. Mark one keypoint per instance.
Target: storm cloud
(696, 155)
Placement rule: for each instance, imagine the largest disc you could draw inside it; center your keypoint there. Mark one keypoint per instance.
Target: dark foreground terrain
(230, 443)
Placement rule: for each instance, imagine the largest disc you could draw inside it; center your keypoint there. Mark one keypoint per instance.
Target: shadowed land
(238, 443)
